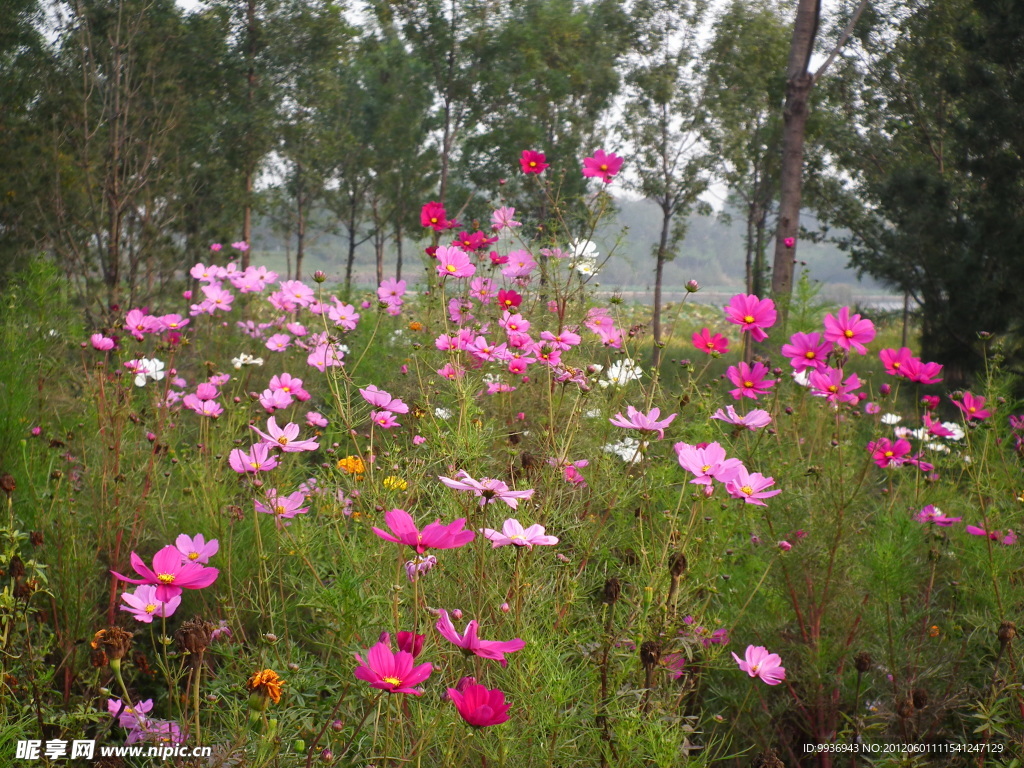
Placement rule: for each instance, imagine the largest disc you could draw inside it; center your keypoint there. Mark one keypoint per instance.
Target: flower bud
(319, 276)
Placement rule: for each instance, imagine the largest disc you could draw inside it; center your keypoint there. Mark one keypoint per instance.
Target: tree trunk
(250, 101)
(398, 249)
(659, 271)
(351, 244)
(300, 231)
(798, 88)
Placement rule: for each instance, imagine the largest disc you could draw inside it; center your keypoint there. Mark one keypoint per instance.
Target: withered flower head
(264, 686)
(113, 641)
(194, 635)
(677, 564)
(768, 759)
(862, 661)
(7, 483)
(650, 653)
(1007, 631)
(919, 698)
(612, 590)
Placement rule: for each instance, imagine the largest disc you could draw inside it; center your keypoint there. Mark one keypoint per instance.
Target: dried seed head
(194, 635)
(905, 708)
(919, 697)
(767, 759)
(1007, 631)
(650, 653)
(113, 641)
(612, 590)
(7, 484)
(677, 564)
(862, 661)
(16, 568)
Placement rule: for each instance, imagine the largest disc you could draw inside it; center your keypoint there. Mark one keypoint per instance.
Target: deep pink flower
(432, 216)
(789, 242)
(643, 422)
(392, 671)
(753, 420)
(973, 407)
(282, 507)
(470, 643)
(931, 402)
(849, 332)
(101, 342)
(480, 706)
(885, 453)
(828, 383)
(486, 488)
(603, 165)
(710, 344)
(512, 532)
(750, 486)
(258, 459)
(895, 360)
(922, 373)
(752, 314)
(169, 574)
(750, 381)
(532, 162)
(759, 663)
(932, 514)
(936, 428)
(806, 350)
(433, 536)
(509, 299)
(1009, 539)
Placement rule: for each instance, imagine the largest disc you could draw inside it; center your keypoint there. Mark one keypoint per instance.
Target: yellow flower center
(165, 578)
(809, 355)
(705, 468)
(748, 384)
(747, 490)
(150, 608)
(748, 318)
(392, 680)
(193, 555)
(279, 510)
(433, 220)
(604, 167)
(516, 537)
(450, 267)
(282, 440)
(833, 388)
(888, 454)
(848, 333)
(254, 465)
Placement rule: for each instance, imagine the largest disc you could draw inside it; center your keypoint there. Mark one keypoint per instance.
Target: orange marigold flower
(266, 683)
(416, 325)
(351, 465)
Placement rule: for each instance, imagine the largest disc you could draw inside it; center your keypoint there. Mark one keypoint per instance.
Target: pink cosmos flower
(643, 422)
(433, 536)
(973, 407)
(258, 459)
(512, 532)
(173, 322)
(382, 400)
(806, 350)
(384, 419)
(750, 486)
(470, 643)
(285, 438)
(750, 381)
(480, 706)
(922, 373)
(707, 463)
(282, 507)
(759, 663)
(209, 408)
(290, 385)
(710, 345)
(849, 332)
(1009, 539)
(143, 605)
(391, 291)
(127, 716)
(936, 428)
(603, 165)
(314, 419)
(753, 420)
(278, 342)
(895, 360)
(520, 264)
(504, 218)
(392, 671)
(885, 453)
(828, 383)
(532, 162)
(101, 342)
(196, 549)
(487, 489)
(138, 323)
(453, 262)
(343, 315)
(752, 314)
(169, 574)
(273, 400)
(932, 514)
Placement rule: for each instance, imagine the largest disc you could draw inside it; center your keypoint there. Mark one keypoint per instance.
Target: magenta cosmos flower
(806, 350)
(1008, 540)
(470, 643)
(828, 383)
(285, 438)
(849, 332)
(392, 671)
(532, 162)
(753, 420)
(895, 360)
(922, 373)
(433, 536)
(886, 453)
(710, 344)
(973, 407)
(282, 507)
(759, 663)
(258, 459)
(643, 422)
(453, 262)
(432, 215)
(932, 514)
(751, 314)
(512, 532)
(487, 489)
(480, 706)
(750, 486)
(750, 381)
(603, 165)
(169, 574)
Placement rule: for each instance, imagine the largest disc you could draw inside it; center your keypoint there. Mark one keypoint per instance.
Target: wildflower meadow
(463, 520)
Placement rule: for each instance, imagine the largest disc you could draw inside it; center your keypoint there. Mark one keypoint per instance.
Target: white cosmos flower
(245, 359)
(442, 413)
(803, 378)
(621, 372)
(956, 429)
(628, 449)
(584, 257)
(147, 368)
(891, 418)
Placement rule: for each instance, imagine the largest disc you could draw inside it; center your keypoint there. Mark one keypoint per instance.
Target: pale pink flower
(282, 507)
(453, 262)
(708, 463)
(258, 459)
(512, 532)
(101, 342)
(487, 489)
(753, 420)
(143, 605)
(643, 422)
(759, 663)
(196, 548)
(750, 486)
(285, 438)
(382, 400)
